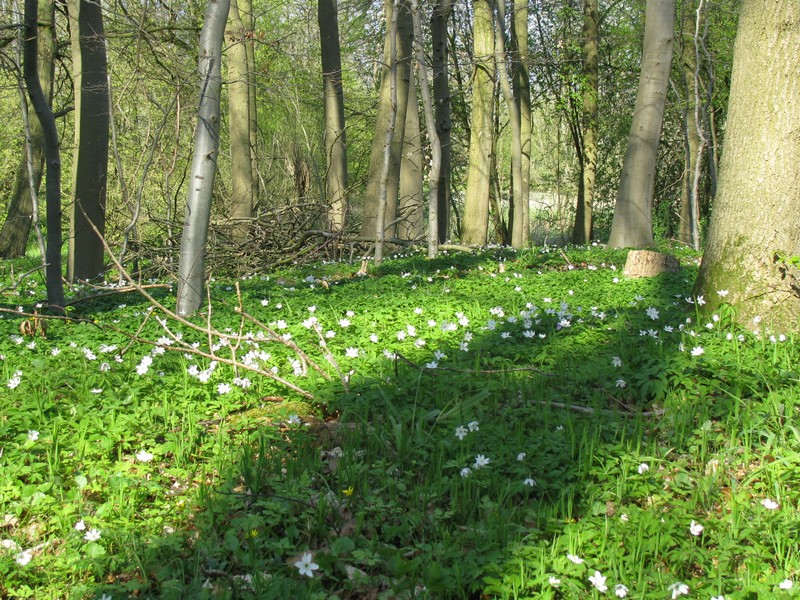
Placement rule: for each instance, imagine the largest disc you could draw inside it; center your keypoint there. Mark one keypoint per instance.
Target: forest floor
(498, 424)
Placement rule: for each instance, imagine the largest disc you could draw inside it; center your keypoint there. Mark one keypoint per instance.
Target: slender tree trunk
(522, 96)
(582, 233)
(17, 227)
(754, 235)
(333, 103)
(476, 202)
(90, 156)
(191, 268)
(40, 104)
(239, 122)
(411, 225)
(441, 100)
(633, 213)
(402, 41)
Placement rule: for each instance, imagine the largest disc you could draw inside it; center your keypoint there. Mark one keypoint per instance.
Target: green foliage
(624, 434)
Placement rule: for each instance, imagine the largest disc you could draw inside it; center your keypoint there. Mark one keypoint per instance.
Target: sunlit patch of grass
(506, 424)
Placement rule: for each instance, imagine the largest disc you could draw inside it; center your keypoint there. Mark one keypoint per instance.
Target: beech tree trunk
(522, 97)
(411, 215)
(239, 83)
(191, 267)
(442, 107)
(582, 232)
(333, 103)
(476, 202)
(90, 155)
(53, 271)
(17, 226)
(753, 242)
(387, 112)
(633, 213)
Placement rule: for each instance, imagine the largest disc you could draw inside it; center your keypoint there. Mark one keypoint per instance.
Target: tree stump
(646, 263)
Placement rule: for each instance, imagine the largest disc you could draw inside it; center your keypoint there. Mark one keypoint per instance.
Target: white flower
(80, 526)
(530, 481)
(697, 351)
(722, 294)
(223, 388)
(695, 528)
(576, 559)
(652, 312)
(554, 581)
(23, 558)
(144, 456)
(294, 419)
(620, 590)
(720, 597)
(431, 365)
(55, 351)
(473, 425)
(481, 461)
(620, 383)
(598, 581)
(769, 504)
(105, 367)
(786, 584)
(624, 518)
(351, 352)
(465, 472)
(344, 323)
(373, 337)
(616, 361)
(643, 467)
(521, 456)
(306, 564)
(461, 432)
(33, 435)
(92, 535)
(678, 589)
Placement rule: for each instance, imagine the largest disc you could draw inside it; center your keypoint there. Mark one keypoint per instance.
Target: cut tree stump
(646, 263)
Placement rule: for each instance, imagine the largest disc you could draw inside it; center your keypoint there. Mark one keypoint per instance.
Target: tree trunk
(53, 277)
(522, 96)
(239, 121)
(633, 213)
(333, 103)
(754, 236)
(90, 155)
(582, 232)
(191, 269)
(411, 215)
(403, 41)
(441, 100)
(17, 227)
(476, 201)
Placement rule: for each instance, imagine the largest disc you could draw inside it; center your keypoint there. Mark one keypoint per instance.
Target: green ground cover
(491, 425)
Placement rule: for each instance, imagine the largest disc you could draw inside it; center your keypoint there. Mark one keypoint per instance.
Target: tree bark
(633, 213)
(386, 112)
(53, 277)
(17, 226)
(411, 225)
(442, 107)
(522, 96)
(239, 82)
(754, 235)
(90, 156)
(333, 102)
(476, 201)
(191, 268)
(582, 232)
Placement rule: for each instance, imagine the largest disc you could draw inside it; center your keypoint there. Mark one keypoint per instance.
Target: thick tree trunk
(385, 110)
(441, 100)
(582, 232)
(633, 213)
(333, 102)
(191, 269)
(411, 215)
(53, 276)
(476, 201)
(239, 120)
(522, 97)
(754, 236)
(17, 227)
(90, 156)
